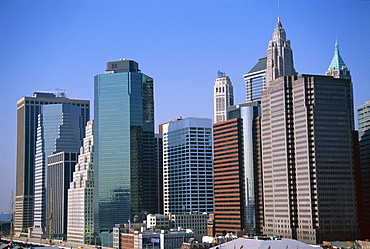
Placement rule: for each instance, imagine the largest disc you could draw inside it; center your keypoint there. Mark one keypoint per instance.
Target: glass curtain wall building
(58, 130)
(125, 167)
(255, 81)
(28, 109)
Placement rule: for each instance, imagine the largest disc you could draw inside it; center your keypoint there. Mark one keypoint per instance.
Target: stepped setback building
(80, 222)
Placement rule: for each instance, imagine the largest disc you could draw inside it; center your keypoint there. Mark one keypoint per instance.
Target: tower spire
(279, 55)
(337, 67)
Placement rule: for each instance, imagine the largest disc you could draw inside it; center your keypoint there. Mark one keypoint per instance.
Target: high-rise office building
(364, 151)
(223, 96)
(80, 222)
(159, 162)
(58, 130)
(28, 109)
(125, 169)
(238, 171)
(308, 162)
(59, 174)
(279, 55)
(187, 166)
(255, 81)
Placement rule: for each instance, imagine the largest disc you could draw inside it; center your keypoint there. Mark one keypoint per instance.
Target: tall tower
(364, 149)
(223, 96)
(255, 81)
(80, 224)
(238, 171)
(58, 130)
(125, 169)
(187, 166)
(279, 55)
(308, 159)
(28, 109)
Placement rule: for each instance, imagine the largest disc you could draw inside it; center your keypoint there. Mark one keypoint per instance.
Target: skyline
(181, 44)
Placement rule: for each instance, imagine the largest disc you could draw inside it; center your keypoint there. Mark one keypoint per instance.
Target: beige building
(223, 96)
(308, 164)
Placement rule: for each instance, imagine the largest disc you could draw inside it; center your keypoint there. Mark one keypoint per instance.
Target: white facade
(80, 225)
(188, 166)
(223, 96)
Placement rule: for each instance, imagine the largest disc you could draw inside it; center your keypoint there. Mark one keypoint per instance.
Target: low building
(159, 221)
(195, 221)
(268, 244)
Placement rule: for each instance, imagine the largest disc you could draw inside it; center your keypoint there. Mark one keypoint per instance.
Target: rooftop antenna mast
(279, 10)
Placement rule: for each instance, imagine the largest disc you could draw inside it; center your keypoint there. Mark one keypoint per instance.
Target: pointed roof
(337, 62)
(261, 65)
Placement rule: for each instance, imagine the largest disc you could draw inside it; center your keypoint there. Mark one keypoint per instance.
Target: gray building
(28, 109)
(59, 174)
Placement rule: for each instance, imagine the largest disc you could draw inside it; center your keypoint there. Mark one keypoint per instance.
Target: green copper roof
(337, 62)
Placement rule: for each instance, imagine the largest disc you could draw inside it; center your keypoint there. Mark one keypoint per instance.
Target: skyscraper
(255, 81)
(58, 130)
(28, 109)
(187, 166)
(364, 148)
(308, 164)
(279, 55)
(338, 68)
(238, 170)
(125, 169)
(223, 96)
(59, 174)
(80, 225)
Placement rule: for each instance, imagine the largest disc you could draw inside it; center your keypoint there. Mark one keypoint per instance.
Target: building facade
(59, 174)
(58, 130)
(308, 164)
(187, 166)
(223, 96)
(125, 169)
(238, 171)
(279, 55)
(255, 81)
(28, 109)
(80, 221)
(364, 151)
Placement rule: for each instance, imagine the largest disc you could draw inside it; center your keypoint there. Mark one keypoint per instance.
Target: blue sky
(47, 45)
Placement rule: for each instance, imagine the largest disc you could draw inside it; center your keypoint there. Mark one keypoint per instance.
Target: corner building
(125, 169)
(308, 164)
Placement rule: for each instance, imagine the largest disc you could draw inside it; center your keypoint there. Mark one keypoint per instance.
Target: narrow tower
(279, 55)
(223, 96)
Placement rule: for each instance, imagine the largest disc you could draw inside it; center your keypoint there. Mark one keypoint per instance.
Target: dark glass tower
(125, 169)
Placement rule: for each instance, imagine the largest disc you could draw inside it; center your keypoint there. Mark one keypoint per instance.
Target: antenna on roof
(220, 74)
(279, 10)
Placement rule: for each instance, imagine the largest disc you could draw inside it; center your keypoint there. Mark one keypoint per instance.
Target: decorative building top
(338, 68)
(279, 55)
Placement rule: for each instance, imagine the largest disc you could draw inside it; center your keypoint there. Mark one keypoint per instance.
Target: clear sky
(47, 45)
